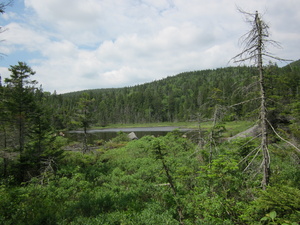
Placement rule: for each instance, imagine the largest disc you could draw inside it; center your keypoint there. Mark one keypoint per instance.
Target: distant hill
(193, 95)
(187, 75)
(294, 64)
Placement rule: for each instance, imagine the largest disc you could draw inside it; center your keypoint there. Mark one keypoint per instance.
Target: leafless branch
(247, 156)
(282, 137)
(3, 5)
(240, 103)
(249, 40)
(252, 159)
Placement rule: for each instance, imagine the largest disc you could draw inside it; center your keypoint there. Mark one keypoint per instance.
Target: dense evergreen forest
(189, 96)
(153, 180)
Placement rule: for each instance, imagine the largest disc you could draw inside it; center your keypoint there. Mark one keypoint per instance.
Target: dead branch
(282, 137)
(252, 159)
(243, 159)
(240, 103)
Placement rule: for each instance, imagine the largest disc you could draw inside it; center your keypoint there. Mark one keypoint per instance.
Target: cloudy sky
(76, 45)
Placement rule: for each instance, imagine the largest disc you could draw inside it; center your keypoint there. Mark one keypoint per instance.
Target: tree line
(189, 96)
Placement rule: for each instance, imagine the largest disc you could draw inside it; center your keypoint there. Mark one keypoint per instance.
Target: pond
(109, 133)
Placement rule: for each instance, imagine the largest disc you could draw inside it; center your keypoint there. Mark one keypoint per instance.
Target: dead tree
(255, 43)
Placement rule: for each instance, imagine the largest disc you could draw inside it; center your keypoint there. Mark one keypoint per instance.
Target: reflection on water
(108, 134)
(134, 129)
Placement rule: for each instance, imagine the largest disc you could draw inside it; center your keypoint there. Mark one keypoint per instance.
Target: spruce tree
(85, 116)
(20, 95)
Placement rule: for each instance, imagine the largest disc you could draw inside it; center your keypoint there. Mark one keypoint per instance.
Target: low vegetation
(158, 180)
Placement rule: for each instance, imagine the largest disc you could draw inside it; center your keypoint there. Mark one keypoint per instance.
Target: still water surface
(108, 134)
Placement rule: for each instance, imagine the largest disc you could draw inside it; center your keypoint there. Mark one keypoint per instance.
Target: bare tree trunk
(21, 134)
(5, 157)
(264, 134)
(212, 135)
(263, 108)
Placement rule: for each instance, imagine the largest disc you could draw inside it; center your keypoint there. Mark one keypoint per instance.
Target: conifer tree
(85, 116)
(20, 94)
(27, 116)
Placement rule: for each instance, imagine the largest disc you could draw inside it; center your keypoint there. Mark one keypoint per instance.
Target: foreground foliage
(156, 180)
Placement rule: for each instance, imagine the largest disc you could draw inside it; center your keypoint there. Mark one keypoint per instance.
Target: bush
(283, 200)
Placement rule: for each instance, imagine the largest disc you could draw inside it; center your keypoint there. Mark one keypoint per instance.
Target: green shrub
(283, 200)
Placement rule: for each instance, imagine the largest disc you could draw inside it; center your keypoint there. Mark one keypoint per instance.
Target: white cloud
(23, 37)
(110, 43)
(9, 16)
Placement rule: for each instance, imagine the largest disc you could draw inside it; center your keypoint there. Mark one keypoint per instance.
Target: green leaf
(273, 215)
(264, 218)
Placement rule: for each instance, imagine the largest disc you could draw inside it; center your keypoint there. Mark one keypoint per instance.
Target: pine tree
(20, 94)
(85, 116)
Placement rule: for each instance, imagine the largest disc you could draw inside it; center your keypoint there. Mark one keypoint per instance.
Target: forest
(188, 96)
(212, 178)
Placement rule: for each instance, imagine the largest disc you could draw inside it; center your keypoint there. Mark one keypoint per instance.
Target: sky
(78, 45)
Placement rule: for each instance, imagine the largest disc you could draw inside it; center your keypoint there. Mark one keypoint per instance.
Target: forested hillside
(189, 96)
